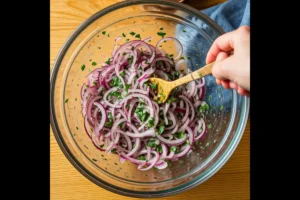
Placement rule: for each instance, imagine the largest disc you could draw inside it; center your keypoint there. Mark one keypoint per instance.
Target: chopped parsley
(114, 151)
(82, 67)
(179, 134)
(153, 86)
(94, 159)
(187, 142)
(161, 34)
(116, 94)
(203, 108)
(161, 129)
(132, 33)
(209, 126)
(222, 107)
(116, 82)
(209, 98)
(151, 143)
(94, 63)
(66, 101)
(108, 61)
(123, 34)
(127, 86)
(159, 149)
(182, 58)
(142, 157)
(171, 100)
(110, 117)
(103, 32)
(161, 29)
(183, 30)
(138, 36)
(101, 146)
(122, 73)
(127, 40)
(108, 124)
(150, 122)
(173, 149)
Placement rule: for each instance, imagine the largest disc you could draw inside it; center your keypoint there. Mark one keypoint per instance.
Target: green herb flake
(209, 98)
(142, 157)
(122, 73)
(161, 129)
(108, 35)
(108, 61)
(76, 127)
(182, 58)
(153, 86)
(187, 142)
(161, 29)
(110, 117)
(108, 124)
(179, 134)
(114, 151)
(85, 146)
(222, 107)
(94, 63)
(151, 143)
(173, 149)
(82, 67)
(127, 40)
(127, 86)
(103, 32)
(66, 101)
(161, 34)
(94, 159)
(200, 75)
(149, 41)
(150, 122)
(138, 36)
(171, 100)
(132, 33)
(209, 126)
(189, 57)
(183, 30)
(159, 149)
(123, 34)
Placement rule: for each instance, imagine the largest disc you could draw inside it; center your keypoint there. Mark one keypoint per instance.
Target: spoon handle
(203, 71)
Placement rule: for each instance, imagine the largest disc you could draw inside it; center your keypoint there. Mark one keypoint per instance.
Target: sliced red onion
(103, 116)
(180, 48)
(172, 142)
(127, 127)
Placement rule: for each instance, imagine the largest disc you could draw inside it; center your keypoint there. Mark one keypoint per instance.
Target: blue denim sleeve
(229, 15)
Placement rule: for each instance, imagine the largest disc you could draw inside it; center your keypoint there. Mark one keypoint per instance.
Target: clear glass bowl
(228, 114)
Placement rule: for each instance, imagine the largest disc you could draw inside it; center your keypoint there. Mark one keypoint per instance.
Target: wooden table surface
(66, 183)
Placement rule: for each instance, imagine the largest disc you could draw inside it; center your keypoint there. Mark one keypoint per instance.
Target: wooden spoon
(164, 88)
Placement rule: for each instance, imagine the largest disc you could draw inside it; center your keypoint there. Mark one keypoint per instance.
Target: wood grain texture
(66, 183)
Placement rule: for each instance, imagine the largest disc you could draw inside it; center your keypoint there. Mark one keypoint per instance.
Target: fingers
(225, 69)
(223, 43)
(226, 42)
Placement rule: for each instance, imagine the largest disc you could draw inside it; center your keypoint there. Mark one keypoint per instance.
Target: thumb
(224, 69)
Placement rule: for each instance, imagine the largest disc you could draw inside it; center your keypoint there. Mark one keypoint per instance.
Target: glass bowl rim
(68, 154)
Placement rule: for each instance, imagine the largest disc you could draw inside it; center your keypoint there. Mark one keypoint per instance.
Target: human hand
(234, 71)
